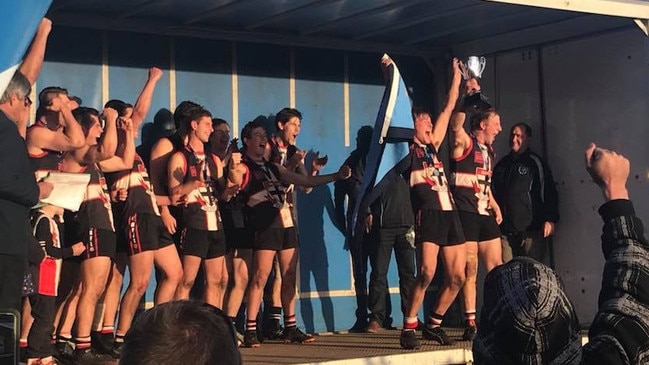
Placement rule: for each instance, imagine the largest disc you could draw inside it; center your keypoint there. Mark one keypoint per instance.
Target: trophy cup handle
(483, 63)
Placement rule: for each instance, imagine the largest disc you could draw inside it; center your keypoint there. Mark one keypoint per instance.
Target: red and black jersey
(141, 198)
(95, 211)
(201, 210)
(429, 187)
(46, 161)
(46, 232)
(266, 196)
(471, 178)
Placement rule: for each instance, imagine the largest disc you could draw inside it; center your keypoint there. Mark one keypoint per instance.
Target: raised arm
(72, 137)
(291, 177)
(123, 159)
(441, 124)
(460, 139)
(143, 102)
(619, 334)
(108, 143)
(33, 61)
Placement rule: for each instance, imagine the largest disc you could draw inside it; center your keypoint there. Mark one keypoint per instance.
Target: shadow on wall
(268, 121)
(313, 251)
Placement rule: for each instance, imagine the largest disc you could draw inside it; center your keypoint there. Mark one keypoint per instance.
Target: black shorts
(99, 242)
(239, 238)
(144, 232)
(437, 226)
(204, 244)
(276, 239)
(478, 227)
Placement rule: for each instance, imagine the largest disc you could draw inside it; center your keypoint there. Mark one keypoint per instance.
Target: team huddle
(197, 201)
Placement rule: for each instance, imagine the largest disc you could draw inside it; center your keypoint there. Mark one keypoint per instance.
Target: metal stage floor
(360, 348)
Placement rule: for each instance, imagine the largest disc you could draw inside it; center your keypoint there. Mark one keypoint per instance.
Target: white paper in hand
(69, 189)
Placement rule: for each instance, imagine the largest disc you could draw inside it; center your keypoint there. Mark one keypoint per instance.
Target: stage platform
(360, 349)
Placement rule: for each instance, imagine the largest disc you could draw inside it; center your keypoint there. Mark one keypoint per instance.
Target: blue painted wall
(204, 73)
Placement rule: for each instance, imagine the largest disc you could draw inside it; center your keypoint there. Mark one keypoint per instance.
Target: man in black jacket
(18, 190)
(392, 223)
(524, 188)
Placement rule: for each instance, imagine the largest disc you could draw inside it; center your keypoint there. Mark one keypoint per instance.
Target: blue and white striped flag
(19, 20)
(392, 131)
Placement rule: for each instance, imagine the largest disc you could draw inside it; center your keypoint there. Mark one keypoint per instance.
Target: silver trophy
(473, 67)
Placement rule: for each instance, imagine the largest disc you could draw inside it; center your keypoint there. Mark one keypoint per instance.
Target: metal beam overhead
(540, 35)
(289, 13)
(634, 9)
(361, 15)
(416, 21)
(219, 8)
(92, 21)
(141, 7)
(472, 25)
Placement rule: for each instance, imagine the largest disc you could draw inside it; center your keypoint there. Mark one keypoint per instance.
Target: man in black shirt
(18, 190)
(350, 188)
(524, 188)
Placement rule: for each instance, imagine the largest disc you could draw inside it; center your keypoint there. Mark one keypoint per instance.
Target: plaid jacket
(528, 319)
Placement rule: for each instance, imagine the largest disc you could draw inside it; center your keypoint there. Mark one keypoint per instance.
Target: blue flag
(19, 20)
(392, 132)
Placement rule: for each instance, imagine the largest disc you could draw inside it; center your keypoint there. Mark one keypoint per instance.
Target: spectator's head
(526, 318)
(486, 123)
(287, 122)
(88, 118)
(163, 121)
(181, 332)
(519, 137)
(221, 136)
(364, 138)
(15, 101)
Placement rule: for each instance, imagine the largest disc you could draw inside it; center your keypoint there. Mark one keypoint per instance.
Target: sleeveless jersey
(95, 211)
(46, 161)
(141, 198)
(201, 210)
(429, 187)
(471, 178)
(266, 196)
(49, 270)
(279, 155)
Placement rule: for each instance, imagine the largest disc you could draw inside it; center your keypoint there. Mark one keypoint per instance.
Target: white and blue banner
(18, 22)
(392, 132)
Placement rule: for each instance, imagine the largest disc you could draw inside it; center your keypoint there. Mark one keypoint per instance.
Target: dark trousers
(12, 272)
(360, 257)
(529, 244)
(380, 254)
(40, 335)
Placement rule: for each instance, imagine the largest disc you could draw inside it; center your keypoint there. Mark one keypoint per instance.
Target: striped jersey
(95, 210)
(46, 231)
(141, 198)
(471, 178)
(201, 210)
(428, 184)
(266, 196)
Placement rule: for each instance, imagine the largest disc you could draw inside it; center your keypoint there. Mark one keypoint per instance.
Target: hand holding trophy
(472, 71)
